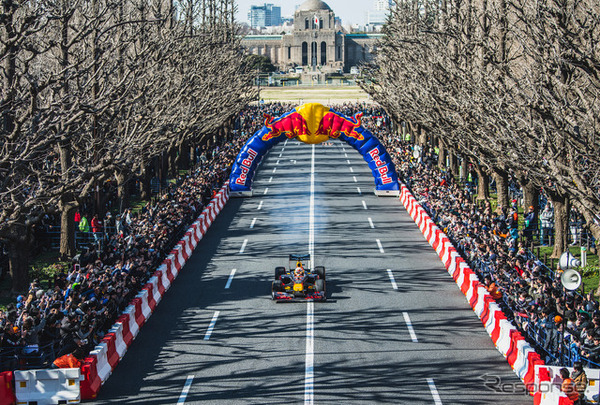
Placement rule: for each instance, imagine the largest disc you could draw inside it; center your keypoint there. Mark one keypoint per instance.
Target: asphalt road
(395, 330)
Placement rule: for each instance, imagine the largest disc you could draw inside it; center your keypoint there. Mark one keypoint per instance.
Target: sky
(350, 11)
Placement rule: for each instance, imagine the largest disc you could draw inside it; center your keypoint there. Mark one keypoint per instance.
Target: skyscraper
(267, 15)
(378, 16)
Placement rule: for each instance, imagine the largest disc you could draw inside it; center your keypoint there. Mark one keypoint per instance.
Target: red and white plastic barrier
(508, 340)
(7, 389)
(106, 356)
(548, 382)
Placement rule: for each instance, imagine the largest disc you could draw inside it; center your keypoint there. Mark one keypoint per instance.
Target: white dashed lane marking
(371, 223)
(379, 245)
(274, 169)
(392, 279)
(266, 191)
(351, 170)
(252, 224)
(358, 189)
(364, 204)
(186, 389)
(354, 177)
(230, 279)
(270, 179)
(244, 246)
(434, 392)
(260, 205)
(348, 161)
(211, 326)
(409, 326)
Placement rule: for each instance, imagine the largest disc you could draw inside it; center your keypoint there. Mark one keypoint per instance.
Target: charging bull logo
(334, 125)
(290, 125)
(312, 123)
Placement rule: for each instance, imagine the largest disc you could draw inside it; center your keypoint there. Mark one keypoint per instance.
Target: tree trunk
(441, 154)
(172, 163)
(67, 227)
(562, 207)
(164, 168)
(531, 196)
(501, 178)
(184, 156)
(483, 182)
(453, 163)
(422, 137)
(122, 191)
(145, 189)
(18, 259)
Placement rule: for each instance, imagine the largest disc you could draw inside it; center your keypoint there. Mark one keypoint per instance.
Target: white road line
(371, 223)
(270, 179)
(230, 279)
(311, 215)
(380, 247)
(351, 170)
(354, 177)
(309, 369)
(243, 245)
(277, 162)
(252, 224)
(434, 392)
(279, 156)
(186, 389)
(260, 205)
(266, 191)
(364, 204)
(358, 189)
(345, 154)
(392, 279)
(282, 149)
(343, 149)
(409, 326)
(274, 169)
(211, 326)
(348, 161)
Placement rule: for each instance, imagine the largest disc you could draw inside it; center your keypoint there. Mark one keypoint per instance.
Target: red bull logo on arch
(313, 123)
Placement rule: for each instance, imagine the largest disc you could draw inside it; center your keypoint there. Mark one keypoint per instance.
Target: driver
(299, 272)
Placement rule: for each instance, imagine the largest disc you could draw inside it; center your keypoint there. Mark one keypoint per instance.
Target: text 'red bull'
(381, 166)
(333, 125)
(290, 125)
(246, 164)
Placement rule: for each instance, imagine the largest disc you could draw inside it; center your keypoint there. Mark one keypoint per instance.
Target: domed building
(315, 44)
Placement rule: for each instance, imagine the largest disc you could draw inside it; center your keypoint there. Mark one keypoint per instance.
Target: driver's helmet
(299, 272)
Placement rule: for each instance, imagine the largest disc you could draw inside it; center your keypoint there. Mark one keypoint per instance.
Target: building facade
(378, 17)
(267, 15)
(316, 43)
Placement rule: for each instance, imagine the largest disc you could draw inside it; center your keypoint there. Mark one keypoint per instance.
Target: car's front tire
(279, 271)
(320, 270)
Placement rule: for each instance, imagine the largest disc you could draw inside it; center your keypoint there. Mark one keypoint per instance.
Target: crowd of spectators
(72, 316)
(563, 325)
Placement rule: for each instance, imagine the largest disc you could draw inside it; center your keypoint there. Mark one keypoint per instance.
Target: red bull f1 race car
(299, 282)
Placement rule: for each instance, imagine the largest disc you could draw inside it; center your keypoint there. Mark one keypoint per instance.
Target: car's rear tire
(279, 271)
(276, 286)
(320, 285)
(320, 270)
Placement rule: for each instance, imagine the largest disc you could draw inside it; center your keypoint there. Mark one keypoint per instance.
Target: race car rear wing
(305, 259)
(301, 258)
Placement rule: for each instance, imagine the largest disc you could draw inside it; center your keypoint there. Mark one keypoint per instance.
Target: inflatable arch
(314, 123)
